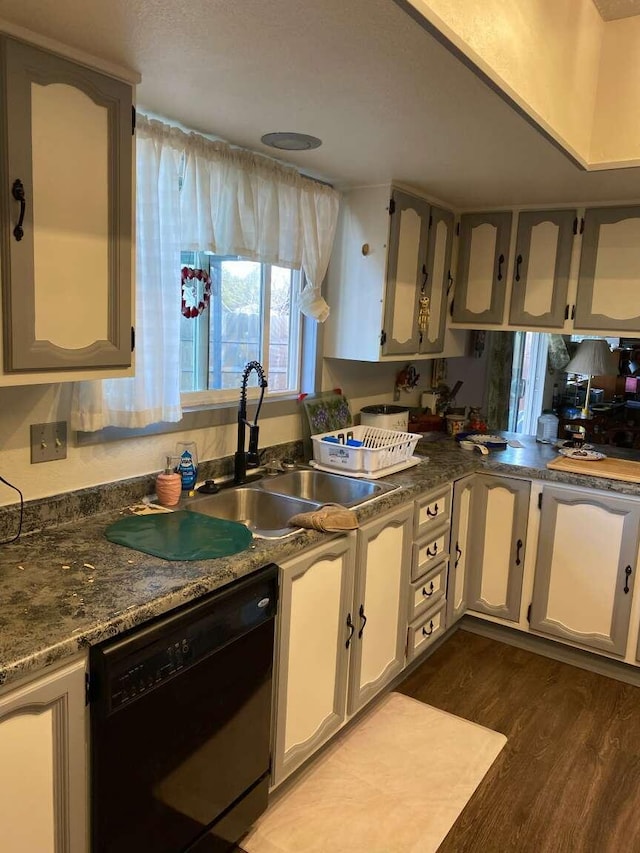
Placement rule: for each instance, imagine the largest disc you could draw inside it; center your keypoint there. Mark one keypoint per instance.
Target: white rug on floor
(394, 783)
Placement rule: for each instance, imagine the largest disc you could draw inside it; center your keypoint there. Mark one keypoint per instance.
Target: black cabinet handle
(364, 621)
(17, 191)
(627, 572)
(518, 549)
(425, 276)
(458, 555)
(518, 262)
(434, 513)
(428, 633)
(573, 312)
(351, 628)
(566, 312)
(500, 262)
(431, 553)
(449, 281)
(431, 589)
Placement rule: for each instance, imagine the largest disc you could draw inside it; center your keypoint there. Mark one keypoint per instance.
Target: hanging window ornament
(192, 307)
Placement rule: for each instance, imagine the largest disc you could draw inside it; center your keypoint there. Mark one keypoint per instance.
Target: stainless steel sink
(266, 514)
(322, 487)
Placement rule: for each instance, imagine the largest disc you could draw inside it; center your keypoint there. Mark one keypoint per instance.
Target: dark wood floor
(568, 780)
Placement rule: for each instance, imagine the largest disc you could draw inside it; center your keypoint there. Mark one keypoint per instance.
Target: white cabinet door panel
(312, 659)
(43, 771)
(585, 568)
(481, 259)
(609, 277)
(499, 515)
(380, 604)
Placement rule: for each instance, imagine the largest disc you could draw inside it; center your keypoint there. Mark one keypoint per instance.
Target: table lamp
(592, 358)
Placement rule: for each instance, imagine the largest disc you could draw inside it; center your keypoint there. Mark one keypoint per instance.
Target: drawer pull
(352, 628)
(518, 262)
(458, 555)
(627, 572)
(518, 549)
(431, 553)
(500, 262)
(17, 191)
(434, 513)
(364, 621)
(428, 633)
(431, 590)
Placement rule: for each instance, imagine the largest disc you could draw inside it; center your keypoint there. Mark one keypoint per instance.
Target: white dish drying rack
(377, 450)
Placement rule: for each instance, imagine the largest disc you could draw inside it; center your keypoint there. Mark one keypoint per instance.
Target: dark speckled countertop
(66, 587)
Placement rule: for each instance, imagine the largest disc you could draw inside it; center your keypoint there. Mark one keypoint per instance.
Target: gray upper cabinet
(585, 569)
(495, 560)
(609, 279)
(390, 259)
(66, 214)
(541, 268)
(406, 272)
(482, 268)
(432, 315)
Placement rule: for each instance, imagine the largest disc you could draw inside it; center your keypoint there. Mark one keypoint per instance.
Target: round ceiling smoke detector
(291, 141)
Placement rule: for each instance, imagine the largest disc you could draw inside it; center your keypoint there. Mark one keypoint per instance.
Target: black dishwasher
(180, 720)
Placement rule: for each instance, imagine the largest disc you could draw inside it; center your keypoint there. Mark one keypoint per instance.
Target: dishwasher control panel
(130, 668)
(151, 671)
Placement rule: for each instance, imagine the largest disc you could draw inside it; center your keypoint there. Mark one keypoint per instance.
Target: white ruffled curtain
(153, 394)
(195, 194)
(234, 202)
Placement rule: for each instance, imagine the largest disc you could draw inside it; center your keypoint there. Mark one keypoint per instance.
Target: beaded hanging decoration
(190, 277)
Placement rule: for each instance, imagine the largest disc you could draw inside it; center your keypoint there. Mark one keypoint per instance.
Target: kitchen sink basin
(265, 513)
(322, 487)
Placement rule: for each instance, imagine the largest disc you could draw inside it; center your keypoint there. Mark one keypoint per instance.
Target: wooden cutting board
(610, 469)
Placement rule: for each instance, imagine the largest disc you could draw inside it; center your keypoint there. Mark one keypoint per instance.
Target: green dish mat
(180, 535)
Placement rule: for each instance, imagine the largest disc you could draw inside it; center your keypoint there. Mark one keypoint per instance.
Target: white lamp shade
(593, 358)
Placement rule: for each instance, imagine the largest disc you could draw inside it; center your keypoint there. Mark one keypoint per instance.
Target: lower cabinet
(495, 563)
(585, 569)
(424, 631)
(382, 578)
(341, 633)
(315, 632)
(43, 771)
(460, 548)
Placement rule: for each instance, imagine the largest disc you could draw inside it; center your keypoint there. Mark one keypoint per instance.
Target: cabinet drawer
(432, 510)
(427, 591)
(429, 552)
(424, 631)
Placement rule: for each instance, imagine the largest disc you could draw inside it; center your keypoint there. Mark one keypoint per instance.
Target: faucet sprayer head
(259, 369)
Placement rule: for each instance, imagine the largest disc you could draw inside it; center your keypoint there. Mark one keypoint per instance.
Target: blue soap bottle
(187, 464)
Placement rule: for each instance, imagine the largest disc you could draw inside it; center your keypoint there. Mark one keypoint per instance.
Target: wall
(85, 466)
(545, 54)
(92, 465)
(616, 129)
(472, 372)
(99, 463)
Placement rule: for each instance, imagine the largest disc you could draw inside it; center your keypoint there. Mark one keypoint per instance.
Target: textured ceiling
(613, 10)
(388, 101)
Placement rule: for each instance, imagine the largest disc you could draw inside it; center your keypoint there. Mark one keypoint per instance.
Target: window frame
(298, 329)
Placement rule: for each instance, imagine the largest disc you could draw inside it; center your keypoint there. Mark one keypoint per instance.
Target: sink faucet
(250, 458)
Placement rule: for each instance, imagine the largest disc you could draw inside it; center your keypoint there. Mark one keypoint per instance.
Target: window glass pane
(250, 315)
(281, 351)
(194, 330)
(236, 324)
